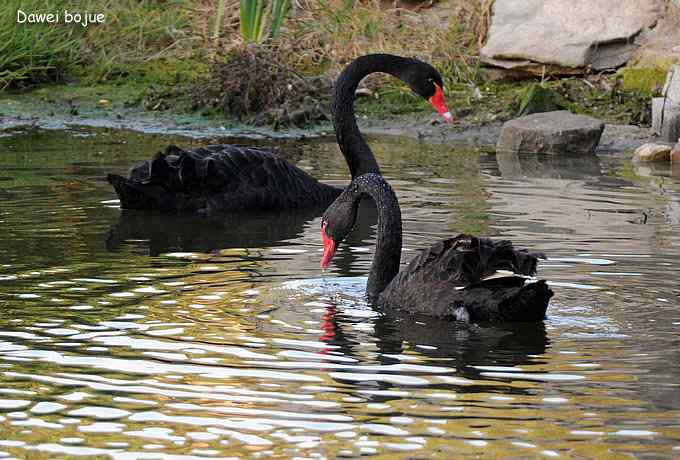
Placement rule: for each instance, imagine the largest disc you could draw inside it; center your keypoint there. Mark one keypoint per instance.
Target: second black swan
(464, 278)
(235, 178)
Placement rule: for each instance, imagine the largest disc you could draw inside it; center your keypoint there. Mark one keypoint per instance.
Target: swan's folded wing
(466, 259)
(436, 279)
(225, 177)
(503, 299)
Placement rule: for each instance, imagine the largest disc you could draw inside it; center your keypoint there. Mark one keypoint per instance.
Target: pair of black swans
(464, 278)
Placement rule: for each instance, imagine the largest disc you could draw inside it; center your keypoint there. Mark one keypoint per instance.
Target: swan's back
(456, 278)
(219, 178)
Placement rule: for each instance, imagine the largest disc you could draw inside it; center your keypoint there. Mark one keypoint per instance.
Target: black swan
(464, 278)
(235, 178)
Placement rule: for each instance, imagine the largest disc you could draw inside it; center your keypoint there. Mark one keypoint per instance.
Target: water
(127, 335)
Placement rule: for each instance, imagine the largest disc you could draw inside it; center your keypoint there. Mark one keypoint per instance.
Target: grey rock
(671, 90)
(660, 43)
(652, 152)
(657, 110)
(567, 35)
(666, 109)
(670, 129)
(559, 132)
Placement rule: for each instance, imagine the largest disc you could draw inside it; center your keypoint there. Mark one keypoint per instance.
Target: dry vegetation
(279, 95)
(295, 71)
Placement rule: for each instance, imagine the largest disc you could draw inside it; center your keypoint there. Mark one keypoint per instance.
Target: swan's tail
(529, 304)
(135, 195)
(507, 299)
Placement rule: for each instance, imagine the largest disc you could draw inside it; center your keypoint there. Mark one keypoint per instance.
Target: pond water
(129, 335)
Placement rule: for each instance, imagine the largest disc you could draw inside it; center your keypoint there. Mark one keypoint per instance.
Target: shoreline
(18, 114)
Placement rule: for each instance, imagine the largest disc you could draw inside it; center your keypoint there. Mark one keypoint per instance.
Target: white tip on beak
(448, 118)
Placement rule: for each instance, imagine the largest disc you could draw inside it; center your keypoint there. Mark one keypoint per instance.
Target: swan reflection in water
(467, 349)
(155, 233)
(196, 233)
(228, 177)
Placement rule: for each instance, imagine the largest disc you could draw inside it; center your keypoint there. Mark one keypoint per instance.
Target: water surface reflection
(147, 336)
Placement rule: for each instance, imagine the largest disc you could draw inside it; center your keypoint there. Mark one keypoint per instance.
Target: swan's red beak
(329, 247)
(439, 104)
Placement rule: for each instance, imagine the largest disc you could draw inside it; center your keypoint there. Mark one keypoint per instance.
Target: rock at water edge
(675, 154)
(652, 152)
(559, 132)
(670, 128)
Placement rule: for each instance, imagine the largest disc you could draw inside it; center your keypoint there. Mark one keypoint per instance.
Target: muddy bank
(21, 111)
(26, 111)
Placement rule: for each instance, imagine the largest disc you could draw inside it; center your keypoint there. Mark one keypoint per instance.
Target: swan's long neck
(387, 255)
(357, 153)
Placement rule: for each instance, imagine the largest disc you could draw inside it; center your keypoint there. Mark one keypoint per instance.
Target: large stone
(671, 90)
(657, 110)
(566, 36)
(660, 44)
(652, 152)
(666, 109)
(551, 132)
(670, 128)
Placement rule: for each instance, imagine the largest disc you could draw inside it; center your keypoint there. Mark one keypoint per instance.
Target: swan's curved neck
(387, 255)
(357, 153)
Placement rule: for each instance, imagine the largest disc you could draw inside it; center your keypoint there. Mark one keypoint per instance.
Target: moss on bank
(647, 80)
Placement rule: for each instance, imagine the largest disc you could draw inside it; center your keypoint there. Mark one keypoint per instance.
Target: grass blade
(280, 10)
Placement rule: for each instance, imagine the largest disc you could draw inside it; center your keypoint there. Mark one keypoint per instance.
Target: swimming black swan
(460, 278)
(235, 178)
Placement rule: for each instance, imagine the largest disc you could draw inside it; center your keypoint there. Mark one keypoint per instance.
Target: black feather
(219, 178)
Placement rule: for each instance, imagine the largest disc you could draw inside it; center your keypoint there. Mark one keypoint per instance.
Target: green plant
(340, 30)
(255, 16)
(34, 53)
(135, 33)
(218, 19)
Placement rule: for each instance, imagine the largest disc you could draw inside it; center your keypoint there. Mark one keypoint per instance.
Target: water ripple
(137, 336)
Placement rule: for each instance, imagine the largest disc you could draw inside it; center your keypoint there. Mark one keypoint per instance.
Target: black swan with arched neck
(229, 177)
(464, 278)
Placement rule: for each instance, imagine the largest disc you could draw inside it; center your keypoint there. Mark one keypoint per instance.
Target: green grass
(136, 41)
(137, 35)
(35, 53)
(647, 81)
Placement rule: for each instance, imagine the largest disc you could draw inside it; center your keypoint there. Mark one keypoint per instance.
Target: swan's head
(337, 222)
(424, 80)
